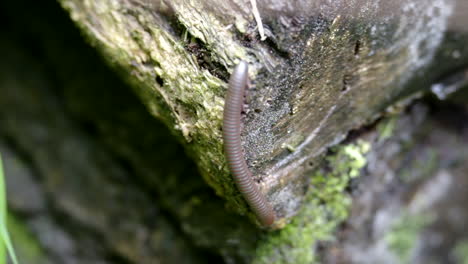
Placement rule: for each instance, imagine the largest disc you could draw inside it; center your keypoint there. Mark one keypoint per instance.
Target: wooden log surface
(111, 184)
(324, 69)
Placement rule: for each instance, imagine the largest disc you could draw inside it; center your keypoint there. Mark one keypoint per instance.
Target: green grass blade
(5, 237)
(2, 196)
(3, 256)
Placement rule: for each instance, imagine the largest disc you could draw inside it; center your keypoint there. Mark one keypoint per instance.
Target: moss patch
(326, 206)
(461, 252)
(386, 128)
(403, 237)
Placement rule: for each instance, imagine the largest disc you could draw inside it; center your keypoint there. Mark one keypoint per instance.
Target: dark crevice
(363, 130)
(204, 57)
(252, 39)
(449, 114)
(284, 54)
(193, 45)
(89, 129)
(170, 16)
(346, 82)
(150, 193)
(357, 47)
(160, 80)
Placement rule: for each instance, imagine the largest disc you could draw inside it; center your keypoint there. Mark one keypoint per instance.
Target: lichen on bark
(326, 206)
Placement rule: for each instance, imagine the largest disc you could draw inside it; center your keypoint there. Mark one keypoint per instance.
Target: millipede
(233, 148)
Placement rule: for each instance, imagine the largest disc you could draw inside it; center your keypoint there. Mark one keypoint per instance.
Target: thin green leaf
(3, 224)
(3, 256)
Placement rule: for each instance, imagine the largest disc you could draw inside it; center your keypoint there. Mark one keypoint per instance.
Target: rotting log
(106, 180)
(323, 70)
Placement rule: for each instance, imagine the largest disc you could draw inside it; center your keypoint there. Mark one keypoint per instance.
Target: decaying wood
(325, 69)
(96, 178)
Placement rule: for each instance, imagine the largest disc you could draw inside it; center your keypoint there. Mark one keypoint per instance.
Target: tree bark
(325, 72)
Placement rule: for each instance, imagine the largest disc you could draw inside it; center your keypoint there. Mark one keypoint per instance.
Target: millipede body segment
(232, 145)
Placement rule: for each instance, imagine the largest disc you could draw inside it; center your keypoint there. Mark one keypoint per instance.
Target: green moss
(386, 128)
(167, 78)
(424, 166)
(26, 245)
(461, 251)
(326, 205)
(404, 235)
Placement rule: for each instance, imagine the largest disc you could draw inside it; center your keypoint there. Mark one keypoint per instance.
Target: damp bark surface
(323, 69)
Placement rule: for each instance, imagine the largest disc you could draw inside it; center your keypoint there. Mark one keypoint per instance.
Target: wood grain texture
(325, 69)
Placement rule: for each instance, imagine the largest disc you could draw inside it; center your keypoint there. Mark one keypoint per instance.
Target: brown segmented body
(233, 148)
